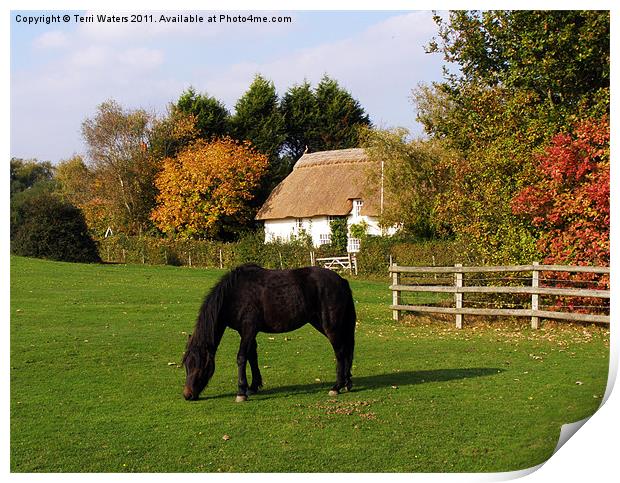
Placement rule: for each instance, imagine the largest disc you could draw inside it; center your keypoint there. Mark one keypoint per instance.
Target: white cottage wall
(286, 228)
(279, 230)
(317, 227)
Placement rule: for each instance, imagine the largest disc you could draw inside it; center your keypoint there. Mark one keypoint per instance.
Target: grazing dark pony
(251, 299)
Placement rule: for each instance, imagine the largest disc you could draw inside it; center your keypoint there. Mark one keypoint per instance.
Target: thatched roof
(322, 183)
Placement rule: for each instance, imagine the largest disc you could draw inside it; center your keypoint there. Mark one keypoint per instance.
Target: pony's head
(199, 367)
(199, 358)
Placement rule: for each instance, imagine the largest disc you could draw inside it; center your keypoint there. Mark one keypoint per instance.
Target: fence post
(458, 296)
(395, 294)
(535, 283)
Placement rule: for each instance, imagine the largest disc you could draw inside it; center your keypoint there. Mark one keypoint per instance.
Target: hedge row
(376, 254)
(204, 253)
(373, 258)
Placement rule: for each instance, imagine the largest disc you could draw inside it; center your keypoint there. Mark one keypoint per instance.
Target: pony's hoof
(241, 398)
(333, 392)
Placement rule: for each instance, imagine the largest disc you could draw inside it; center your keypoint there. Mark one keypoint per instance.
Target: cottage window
(299, 224)
(353, 245)
(357, 208)
(324, 239)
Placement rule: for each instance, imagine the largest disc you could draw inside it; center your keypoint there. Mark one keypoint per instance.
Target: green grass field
(96, 386)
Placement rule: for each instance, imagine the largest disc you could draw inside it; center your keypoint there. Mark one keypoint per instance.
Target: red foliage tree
(570, 206)
(570, 202)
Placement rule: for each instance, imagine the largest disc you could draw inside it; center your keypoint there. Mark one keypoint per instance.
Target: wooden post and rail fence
(459, 289)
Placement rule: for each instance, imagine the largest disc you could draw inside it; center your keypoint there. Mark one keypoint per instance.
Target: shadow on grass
(378, 381)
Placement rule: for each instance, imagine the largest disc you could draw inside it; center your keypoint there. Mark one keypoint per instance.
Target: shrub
(339, 234)
(570, 202)
(47, 227)
(249, 249)
(376, 252)
(374, 255)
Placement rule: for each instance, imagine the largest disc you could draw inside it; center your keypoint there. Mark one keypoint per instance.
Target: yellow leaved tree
(206, 191)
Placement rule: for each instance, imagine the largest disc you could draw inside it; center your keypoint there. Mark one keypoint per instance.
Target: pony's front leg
(242, 358)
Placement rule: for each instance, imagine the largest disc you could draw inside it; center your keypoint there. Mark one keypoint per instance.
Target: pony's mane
(203, 340)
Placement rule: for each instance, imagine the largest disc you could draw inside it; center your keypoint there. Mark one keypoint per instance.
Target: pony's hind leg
(257, 379)
(242, 358)
(348, 360)
(343, 344)
(348, 383)
(344, 361)
(341, 366)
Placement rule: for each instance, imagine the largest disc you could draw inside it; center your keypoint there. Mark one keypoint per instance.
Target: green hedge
(203, 253)
(161, 251)
(376, 253)
(373, 258)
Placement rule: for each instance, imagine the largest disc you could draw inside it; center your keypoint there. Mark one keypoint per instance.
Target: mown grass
(96, 386)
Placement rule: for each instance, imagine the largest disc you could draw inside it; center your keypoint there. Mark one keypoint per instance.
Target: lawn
(96, 384)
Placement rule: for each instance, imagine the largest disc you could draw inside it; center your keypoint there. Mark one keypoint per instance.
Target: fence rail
(459, 290)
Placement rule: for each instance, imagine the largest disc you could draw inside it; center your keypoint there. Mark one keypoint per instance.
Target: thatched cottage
(323, 186)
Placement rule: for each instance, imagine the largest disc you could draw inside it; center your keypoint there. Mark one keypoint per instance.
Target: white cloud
(141, 58)
(379, 66)
(51, 40)
(92, 56)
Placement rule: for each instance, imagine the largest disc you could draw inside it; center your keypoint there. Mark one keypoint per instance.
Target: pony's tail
(350, 320)
(350, 315)
(346, 294)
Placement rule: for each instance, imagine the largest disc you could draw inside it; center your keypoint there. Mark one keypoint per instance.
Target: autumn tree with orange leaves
(205, 192)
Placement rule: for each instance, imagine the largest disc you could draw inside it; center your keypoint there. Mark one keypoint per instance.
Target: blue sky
(60, 72)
